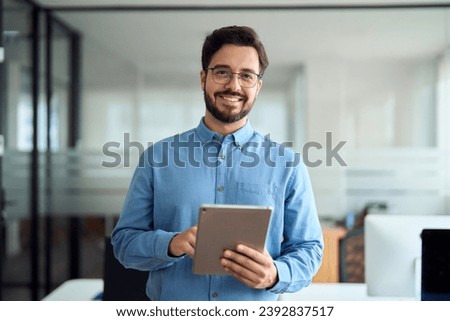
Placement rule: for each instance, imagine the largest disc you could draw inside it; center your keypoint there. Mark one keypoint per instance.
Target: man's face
(231, 102)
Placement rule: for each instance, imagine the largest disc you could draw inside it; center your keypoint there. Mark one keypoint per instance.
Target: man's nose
(234, 84)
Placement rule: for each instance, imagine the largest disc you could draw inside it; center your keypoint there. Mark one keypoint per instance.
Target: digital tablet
(222, 227)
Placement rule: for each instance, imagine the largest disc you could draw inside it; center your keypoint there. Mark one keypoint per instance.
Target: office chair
(121, 284)
(351, 257)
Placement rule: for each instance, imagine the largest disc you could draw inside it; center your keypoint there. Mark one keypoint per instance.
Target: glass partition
(369, 77)
(18, 128)
(37, 92)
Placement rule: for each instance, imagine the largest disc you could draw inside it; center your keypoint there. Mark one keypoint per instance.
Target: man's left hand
(250, 266)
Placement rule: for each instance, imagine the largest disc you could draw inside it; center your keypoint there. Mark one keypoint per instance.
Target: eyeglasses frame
(235, 73)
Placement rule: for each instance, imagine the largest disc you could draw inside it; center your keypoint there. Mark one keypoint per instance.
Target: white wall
(152, 114)
(385, 103)
(367, 103)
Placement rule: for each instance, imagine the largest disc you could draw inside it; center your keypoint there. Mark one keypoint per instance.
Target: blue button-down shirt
(176, 175)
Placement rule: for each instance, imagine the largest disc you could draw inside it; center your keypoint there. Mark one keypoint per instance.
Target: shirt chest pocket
(256, 194)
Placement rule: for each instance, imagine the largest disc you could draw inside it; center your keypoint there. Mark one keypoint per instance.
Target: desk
(336, 292)
(329, 270)
(76, 290)
(88, 289)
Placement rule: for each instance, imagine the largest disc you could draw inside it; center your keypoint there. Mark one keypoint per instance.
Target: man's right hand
(183, 243)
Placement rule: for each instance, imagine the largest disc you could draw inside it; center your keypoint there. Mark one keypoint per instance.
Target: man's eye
(247, 76)
(221, 72)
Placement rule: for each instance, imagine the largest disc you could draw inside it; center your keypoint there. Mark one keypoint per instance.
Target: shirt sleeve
(136, 244)
(302, 246)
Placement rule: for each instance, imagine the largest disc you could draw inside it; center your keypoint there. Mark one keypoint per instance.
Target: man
(222, 161)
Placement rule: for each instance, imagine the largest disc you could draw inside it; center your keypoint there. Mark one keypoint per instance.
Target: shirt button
(220, 188)
(215, 294)
(222, 156)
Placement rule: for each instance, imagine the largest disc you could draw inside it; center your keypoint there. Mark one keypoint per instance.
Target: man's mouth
(231, 99)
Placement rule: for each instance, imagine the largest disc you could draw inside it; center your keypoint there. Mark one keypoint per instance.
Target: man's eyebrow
(250, 70)
(222, 66)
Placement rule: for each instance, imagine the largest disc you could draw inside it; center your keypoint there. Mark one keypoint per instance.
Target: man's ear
(202, 79)
(259, 86)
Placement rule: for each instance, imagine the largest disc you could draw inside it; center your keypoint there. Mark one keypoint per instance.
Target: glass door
(2, 108)
(17, 75)
(38, 123)
(60, 252)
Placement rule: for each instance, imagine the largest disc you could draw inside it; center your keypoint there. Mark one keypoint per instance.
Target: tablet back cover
(222, 227)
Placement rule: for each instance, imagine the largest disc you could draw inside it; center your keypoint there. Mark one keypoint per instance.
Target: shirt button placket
(220, 196)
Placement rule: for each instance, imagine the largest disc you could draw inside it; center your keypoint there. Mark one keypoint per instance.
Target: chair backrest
(351, 257)
(121, 284)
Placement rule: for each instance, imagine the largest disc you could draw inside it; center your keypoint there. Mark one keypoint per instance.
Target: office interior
(86, 85)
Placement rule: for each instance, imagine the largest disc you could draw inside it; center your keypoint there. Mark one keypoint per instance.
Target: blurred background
(85, 85)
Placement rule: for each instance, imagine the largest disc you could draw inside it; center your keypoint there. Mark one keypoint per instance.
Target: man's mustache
(231, 93)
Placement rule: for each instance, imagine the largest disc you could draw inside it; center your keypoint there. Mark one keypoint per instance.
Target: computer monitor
(435, 265)
(393, 249)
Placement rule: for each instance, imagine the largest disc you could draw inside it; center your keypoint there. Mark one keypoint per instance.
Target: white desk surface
(76, 290)
(336, 292)
(88, 289)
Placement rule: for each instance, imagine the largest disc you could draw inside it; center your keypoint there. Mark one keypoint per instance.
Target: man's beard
(226, 116)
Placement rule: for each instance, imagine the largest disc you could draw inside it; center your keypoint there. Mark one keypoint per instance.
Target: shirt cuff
(162, 246)
(283, 278)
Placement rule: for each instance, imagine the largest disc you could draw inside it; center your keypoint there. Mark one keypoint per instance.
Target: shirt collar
(240, 137)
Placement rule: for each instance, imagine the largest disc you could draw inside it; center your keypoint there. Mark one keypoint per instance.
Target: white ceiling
(164, 44)
(71, 3)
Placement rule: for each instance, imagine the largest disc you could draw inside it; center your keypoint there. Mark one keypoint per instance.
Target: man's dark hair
(234, 35)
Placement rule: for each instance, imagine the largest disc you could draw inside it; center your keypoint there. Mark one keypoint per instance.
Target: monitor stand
(417, 278)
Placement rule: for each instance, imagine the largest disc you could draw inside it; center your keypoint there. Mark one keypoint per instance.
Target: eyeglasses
(222, 76)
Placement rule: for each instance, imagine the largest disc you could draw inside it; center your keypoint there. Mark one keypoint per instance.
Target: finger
(259, 275)
(239, 272)
(184, 242)
(190, 250)
(241, 265)
(253, 254)
(191, 239)
(247, 277)
(243, 279)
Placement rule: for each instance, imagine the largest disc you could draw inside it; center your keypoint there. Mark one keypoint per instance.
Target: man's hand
(250, 266)
(183, 243)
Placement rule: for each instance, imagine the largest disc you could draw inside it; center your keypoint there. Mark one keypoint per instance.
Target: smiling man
(209, 164)
(229, 99)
